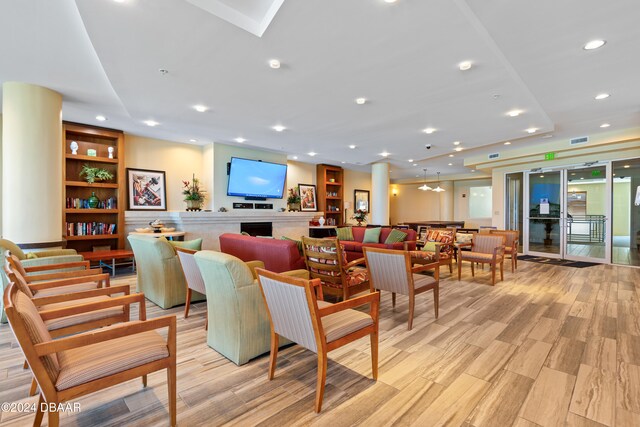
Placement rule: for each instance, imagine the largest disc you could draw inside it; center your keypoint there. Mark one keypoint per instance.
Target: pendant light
(439, 189)
(425, 187)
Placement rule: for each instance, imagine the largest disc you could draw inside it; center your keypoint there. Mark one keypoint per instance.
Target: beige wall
(179, 161)
(356, 180)
(596, 203)
(300, 173)
(461, 204)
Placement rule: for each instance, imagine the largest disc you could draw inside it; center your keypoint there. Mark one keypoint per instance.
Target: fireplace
(257, 228)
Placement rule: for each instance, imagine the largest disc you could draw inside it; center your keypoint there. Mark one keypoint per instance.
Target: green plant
(192, 190)
(293, 196)
(92, 174)
(360, 215)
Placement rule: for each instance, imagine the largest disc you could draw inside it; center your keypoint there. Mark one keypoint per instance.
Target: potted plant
(361, 216)
(92, 175)
(293, 200)
(193, 194)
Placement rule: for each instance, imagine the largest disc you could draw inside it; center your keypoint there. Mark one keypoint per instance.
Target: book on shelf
(78, 203)
(89, 228)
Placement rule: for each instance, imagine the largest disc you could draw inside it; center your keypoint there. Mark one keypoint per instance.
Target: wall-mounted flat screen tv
(253, 178)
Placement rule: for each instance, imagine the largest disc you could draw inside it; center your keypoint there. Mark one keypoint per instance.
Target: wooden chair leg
(187, 303)
(374, 355)
(450, 266)
(144, 381)
(493, 273)
(473, 272)
(54, 418)
(412, 303)
(275, 338)
(516, 259)
(322, 377)
(502, 270)
(25, 365)
(436, 298)
(39, 414)
(171, 383)
(393, 299)
(33, 388)
(513, 263)
(206, 319)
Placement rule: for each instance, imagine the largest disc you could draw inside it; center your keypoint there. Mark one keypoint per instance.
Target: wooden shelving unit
(99, 139)
(330, 194)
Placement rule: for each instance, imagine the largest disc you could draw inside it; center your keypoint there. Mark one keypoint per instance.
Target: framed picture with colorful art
(308, 198)
(146, 190)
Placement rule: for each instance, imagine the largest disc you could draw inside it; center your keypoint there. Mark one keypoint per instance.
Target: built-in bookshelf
(330, 191)
(102, 225)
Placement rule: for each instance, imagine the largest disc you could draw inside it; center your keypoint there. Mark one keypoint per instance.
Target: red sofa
(353, 248)
(277, 255)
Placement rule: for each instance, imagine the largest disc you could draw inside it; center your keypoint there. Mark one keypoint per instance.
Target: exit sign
(595, 173)
(549, 156)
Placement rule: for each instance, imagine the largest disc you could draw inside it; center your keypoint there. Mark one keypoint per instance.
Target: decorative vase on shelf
(321, 221)
(93, 200)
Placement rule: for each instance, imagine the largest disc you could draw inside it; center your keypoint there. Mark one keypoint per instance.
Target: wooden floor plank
(594, 396)
(548, 401)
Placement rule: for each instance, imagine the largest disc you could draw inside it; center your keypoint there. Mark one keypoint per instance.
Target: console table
(118, 254)
(436, 224)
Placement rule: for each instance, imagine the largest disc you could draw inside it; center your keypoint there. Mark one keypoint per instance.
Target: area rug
(554, 261)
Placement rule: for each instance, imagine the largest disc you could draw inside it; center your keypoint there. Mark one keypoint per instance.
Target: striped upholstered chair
(297, 312)
(511, 245)
(485, 249)
(392, 271)
(78, 365)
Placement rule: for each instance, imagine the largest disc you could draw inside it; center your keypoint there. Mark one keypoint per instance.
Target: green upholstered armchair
(160, 275)
(34, 259)
(238, 322)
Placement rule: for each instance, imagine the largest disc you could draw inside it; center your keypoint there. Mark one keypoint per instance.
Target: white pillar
(446, 201)
(380, 194)
(31, 163)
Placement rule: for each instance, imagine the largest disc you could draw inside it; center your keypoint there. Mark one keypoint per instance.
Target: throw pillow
(195, 244)
(244, 233)
(265, 237)
(464, 237)
(298, 243)
(32, 255)
(345, 233)
(372, 235)
(396, 236)
(429, 247)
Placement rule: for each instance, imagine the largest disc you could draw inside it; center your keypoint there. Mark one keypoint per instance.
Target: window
(480, 202)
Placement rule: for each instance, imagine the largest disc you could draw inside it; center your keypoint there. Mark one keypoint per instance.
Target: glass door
(543, 231)
(514, 204)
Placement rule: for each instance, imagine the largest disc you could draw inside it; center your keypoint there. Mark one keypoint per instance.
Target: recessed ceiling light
(451, 155)
(594, 44)
(151, 123)
(384, 154)
(514, 113)
(353, 147)
(541, 176)
(295, 157)
(119, 1)
(429, 131)
(410, 160)
(278, 128)
(573, 173)
(101, 118)
(240, 139)
(361, 101)
(582, 177)
(274, 63)
(605, 125)
(473, 170)
(390, 1)
(200, 108)
(531, 130)
(627, 166)
(343, 162)
(602, 96)
(464, 65)
(415, 164)
(458, 149)
(450, 164)
(507, 143)
(311, 153)
(456, 142)
(193, 140)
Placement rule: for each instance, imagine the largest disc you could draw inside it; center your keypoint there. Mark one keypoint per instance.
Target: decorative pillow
(244, 233)
(345, 233)
(464, 237)
(372, 235)
(432, 235)
(298, 243)
(32, 255)
(429, 247)
(265, 237)
(396, 236)
(446, 239)
(195, 244)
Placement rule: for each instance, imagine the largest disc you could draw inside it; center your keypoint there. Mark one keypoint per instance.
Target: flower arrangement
(192, 191)
(293, 196)
(360, 215)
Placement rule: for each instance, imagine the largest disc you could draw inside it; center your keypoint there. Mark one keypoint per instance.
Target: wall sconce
(394, 191)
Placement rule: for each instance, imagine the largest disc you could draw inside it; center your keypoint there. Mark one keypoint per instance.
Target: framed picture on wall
(308, 199)
(361, 200)
(146, 190)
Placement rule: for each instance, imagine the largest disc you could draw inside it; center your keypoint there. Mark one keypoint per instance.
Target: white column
(31, 163)
(380, 194)
(446, 201)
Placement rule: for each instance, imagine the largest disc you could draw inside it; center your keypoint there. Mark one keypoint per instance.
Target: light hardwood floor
(548, 346)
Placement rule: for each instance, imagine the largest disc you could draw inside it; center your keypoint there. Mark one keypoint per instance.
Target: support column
(31, 164)
(380, 194)
(446, 201)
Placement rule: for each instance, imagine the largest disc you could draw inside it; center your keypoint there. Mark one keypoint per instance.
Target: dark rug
(554, 261)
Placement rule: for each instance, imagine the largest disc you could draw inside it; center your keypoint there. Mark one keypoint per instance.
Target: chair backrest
(190, 269)
(325, 259)
(8, 245)
(485, 243)
(511, 236)
(15, 264)
(18, 279)
(389, 270)
(291, 307)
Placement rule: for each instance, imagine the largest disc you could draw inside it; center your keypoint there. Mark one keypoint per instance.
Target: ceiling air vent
(580, 140)
(494, 156)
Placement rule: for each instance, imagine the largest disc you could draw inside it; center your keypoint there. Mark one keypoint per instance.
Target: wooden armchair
(44, 272)
(392, 271)
(438, 247)
(511, 245)
(485, 249)
(81, 364)
(326, 260)
(297, 312)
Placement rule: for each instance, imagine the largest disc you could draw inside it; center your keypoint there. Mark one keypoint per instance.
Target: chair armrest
(463, 245)
(46, 267)
(498, 250)
(53, 299)
(55, 252)
(405, 244)
(62, 275)
(302, 274)
(353, 263)
(106, 334)
(425, 267)
(372, 298)
(92, 306)
(253, 265)
(99, 278)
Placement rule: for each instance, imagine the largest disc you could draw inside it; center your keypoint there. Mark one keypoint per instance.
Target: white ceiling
(104, 57)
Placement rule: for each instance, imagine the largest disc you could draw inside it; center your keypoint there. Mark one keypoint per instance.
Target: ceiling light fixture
(627, 166)
(353, 147)
(119, 1)
(507, 143)
(425, 187)
(464, 65)
(452, 155)
(278, 128)
(384, 154)
(438, 189)
(602, 96)
(151, 123)
(531, 130)
(274, 63)
(410, 160)
(450, 164)
(429, 131)
(594, 44)
(605, 125)
(295, 157)
(390, 1)
(193, 140)
(240, 139)
(101, 118)
(514, 113)
(458, 149)
(415, 164)
(456, 142)
(200, 108)
(311, 153)
(361, 101)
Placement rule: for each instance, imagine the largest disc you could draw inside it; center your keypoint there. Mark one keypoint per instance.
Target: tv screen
(252, 178)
